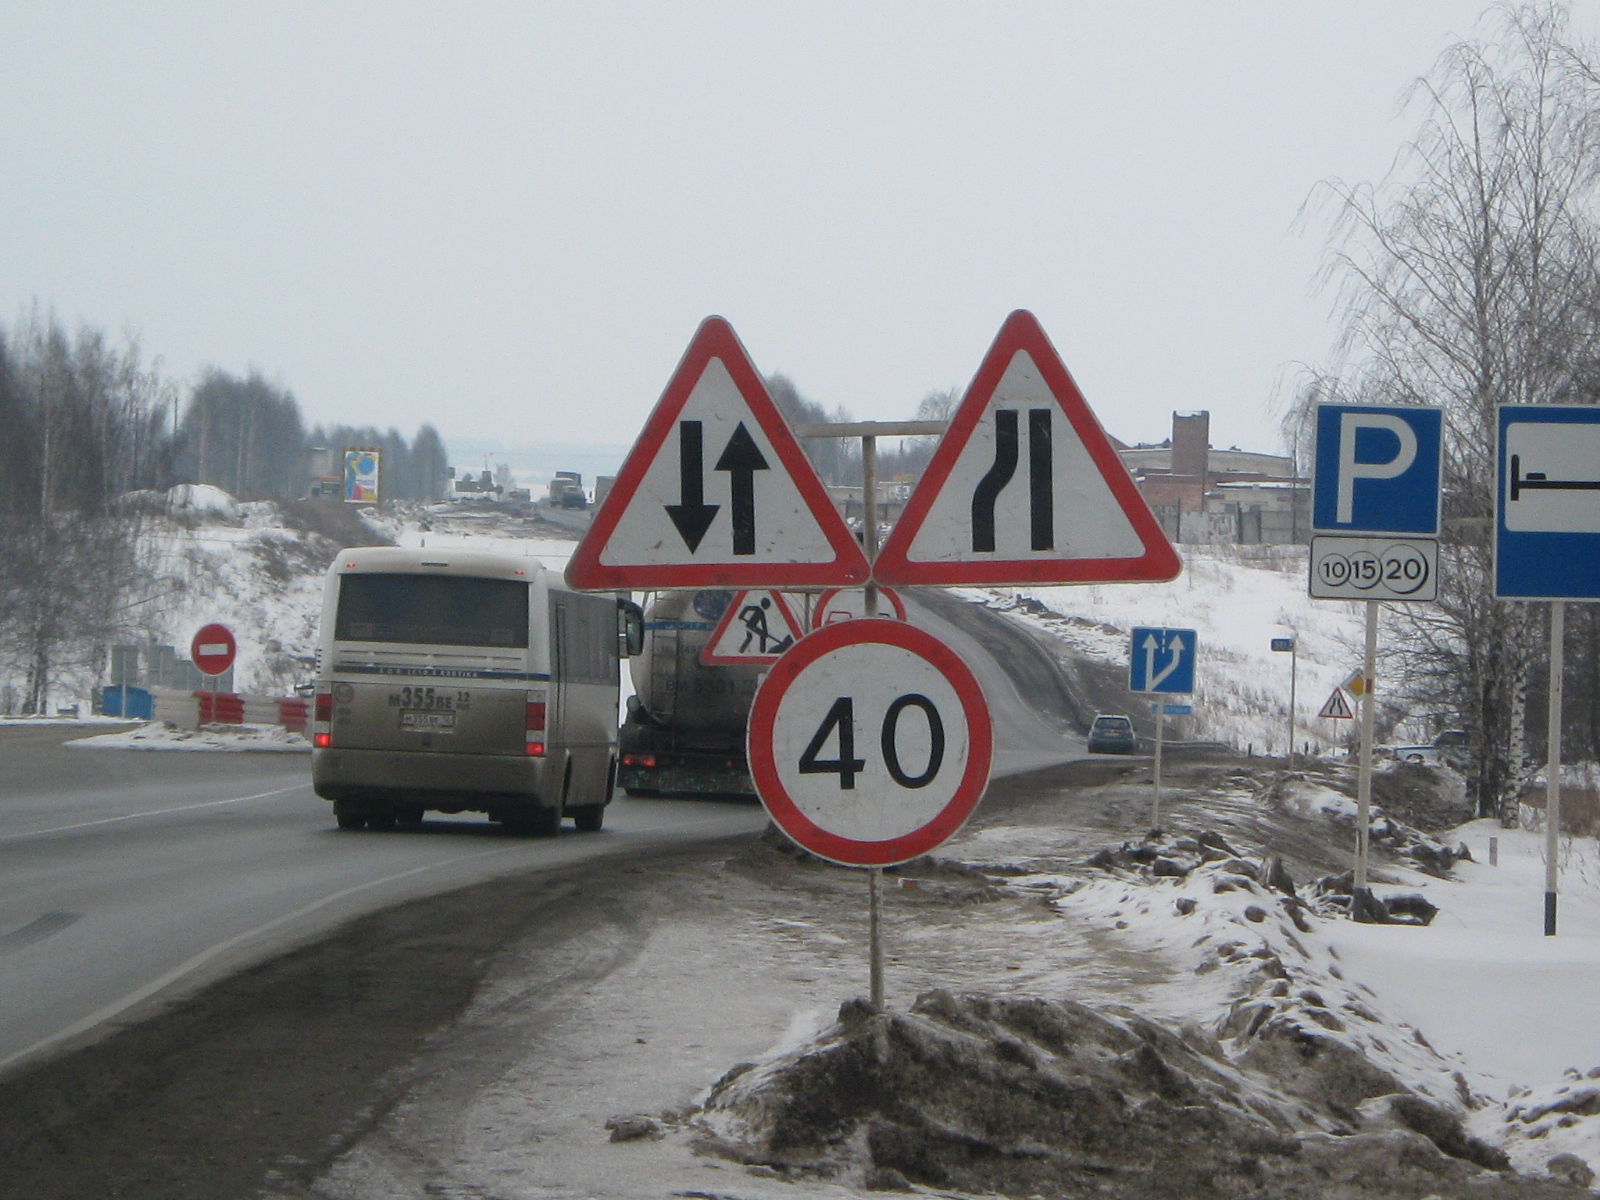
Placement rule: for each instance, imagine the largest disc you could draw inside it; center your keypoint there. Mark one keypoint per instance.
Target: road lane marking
(37, 930)
(193, 963)
(157, 812)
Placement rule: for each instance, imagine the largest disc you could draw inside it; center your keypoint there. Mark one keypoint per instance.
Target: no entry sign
(870, 743)
(213, 649)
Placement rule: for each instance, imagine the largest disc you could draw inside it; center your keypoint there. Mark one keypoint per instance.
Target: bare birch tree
(1468, 279)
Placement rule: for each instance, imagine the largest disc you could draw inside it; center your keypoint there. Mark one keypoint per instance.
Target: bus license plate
(427, 722)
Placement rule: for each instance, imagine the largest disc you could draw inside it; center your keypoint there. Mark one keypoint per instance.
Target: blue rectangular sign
(1376, 469)
(1547, 502)
(1174, 710)
(1162, 660)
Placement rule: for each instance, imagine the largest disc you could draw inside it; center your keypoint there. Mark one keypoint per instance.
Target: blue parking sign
(1376, 469)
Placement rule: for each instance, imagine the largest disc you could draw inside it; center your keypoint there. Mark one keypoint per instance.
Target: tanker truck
(684, 730)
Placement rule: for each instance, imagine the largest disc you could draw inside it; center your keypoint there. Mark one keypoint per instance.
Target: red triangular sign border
(1159, 561)
(1337, 708)
(730, 614)
(716, 339)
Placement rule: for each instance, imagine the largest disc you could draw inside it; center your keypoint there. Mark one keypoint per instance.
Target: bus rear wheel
(347, 817)
(589, 818)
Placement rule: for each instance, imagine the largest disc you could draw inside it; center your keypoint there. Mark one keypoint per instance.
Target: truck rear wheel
(347, 817)
(589, 818)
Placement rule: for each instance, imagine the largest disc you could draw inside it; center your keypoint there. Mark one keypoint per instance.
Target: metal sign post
(870, 744)
(1361, 896)
(1161, 662)
(1292, 645)
(869, 432)
(1547, 547)
(1376, 472)
(1552, 770)
(1155, 801)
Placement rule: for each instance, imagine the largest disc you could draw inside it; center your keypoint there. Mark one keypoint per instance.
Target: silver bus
(456, 680)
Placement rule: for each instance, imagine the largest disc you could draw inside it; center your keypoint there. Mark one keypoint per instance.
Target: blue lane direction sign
(1376, 469)
(1162, 660)
(1547, 503)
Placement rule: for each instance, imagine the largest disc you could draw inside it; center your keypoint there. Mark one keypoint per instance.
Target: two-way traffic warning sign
(1337, 707)
(1025, 487)
(756, 628)
(716, 491)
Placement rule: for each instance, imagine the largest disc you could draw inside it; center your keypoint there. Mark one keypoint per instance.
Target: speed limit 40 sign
(870, 743)
(1355, 568)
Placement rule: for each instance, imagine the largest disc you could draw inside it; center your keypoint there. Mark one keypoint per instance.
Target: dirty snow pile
(1282, 1051)
(1027, 1096)
(1237, 599)
(158, 735)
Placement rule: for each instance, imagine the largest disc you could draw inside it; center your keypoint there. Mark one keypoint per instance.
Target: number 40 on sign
(870, 743)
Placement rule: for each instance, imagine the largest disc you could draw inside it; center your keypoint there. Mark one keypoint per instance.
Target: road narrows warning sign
(716, 491)
(756, 628)
(1024, 486)
(870, 742)
(1337, 707)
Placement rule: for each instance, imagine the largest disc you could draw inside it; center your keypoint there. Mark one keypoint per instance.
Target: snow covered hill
(1237, 598)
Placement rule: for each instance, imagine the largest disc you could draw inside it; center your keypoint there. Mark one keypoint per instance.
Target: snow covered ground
(158, 735)
(1478, 992)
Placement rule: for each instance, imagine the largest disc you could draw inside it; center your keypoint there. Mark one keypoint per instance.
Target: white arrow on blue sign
(1162, 660)
(1547, 505)
(1376, 469)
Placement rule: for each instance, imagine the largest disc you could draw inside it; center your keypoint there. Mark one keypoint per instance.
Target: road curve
(128, 879)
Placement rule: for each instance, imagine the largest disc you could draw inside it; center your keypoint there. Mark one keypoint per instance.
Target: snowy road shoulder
(228, 739)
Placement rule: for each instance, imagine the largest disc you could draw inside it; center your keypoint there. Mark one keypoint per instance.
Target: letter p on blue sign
(1376, 469)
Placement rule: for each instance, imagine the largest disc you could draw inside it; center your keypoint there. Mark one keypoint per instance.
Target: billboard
(360, 476)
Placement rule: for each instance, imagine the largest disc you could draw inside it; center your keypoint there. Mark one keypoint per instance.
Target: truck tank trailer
(685, 727)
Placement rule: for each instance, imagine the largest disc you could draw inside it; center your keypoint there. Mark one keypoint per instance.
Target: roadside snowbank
(158, 735)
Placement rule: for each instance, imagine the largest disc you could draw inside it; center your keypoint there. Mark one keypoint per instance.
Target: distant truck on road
(566, 491)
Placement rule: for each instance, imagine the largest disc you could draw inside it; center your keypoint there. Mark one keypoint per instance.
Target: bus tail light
(322, 717)
(533, 745)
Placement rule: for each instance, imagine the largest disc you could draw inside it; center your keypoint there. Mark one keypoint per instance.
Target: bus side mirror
(630, 629)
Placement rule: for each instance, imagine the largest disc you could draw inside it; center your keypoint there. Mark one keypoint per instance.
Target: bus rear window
(432, 610)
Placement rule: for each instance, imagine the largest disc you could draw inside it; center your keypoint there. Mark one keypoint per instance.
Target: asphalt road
(129, 879)
(128, 875)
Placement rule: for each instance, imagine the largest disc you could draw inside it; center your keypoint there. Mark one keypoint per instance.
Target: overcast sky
(508, 219)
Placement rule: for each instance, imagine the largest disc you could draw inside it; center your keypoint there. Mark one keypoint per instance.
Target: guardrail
(190, 710)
